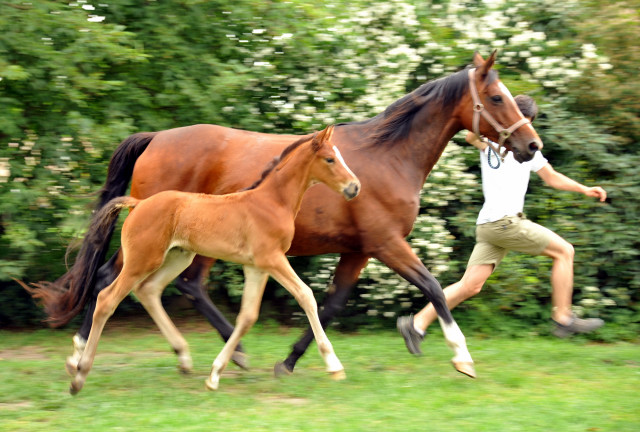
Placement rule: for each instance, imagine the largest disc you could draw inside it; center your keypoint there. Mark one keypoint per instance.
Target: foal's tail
(64, 298)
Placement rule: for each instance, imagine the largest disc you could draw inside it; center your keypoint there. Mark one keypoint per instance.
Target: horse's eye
(330, 160)
(496, 99)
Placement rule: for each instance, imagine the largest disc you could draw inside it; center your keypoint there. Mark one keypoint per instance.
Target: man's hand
(475, 141)
(596, 192)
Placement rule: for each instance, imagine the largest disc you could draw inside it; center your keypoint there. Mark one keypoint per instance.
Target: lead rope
(492, 150)
(498, 158)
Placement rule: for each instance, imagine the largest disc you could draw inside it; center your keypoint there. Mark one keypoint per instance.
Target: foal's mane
(395, 122)
(276, 160)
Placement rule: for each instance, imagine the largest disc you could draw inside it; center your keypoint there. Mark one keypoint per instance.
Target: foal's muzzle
(351, 190)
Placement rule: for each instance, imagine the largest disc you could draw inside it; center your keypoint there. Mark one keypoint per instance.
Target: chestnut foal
(254, 227)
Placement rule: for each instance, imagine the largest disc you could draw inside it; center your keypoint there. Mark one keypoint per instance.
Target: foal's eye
(496, 99)
(330, 160)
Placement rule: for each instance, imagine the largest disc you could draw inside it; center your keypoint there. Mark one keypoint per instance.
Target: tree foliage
(77, 78)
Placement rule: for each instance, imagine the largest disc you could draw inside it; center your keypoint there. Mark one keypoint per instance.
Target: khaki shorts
(516, 233)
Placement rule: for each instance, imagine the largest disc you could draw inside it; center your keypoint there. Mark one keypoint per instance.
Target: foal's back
(226, 227)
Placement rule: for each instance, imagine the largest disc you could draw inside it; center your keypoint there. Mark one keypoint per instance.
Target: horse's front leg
(191, 284)
(344, 280)
(282, 272)
(254, 282)
(399, 256)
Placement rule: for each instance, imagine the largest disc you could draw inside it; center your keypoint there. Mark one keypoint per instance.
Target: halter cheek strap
(478, 110)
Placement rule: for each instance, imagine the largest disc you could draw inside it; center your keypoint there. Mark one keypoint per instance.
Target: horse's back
(204, 158)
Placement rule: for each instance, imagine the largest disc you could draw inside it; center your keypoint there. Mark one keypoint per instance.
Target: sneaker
(412, 338)
(577, 325)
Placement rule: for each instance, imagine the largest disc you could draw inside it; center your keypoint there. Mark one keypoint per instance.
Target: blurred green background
(76, 78)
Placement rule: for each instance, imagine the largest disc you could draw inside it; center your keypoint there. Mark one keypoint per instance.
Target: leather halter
(478, 110)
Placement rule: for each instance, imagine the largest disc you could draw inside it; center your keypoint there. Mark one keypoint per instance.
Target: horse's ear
(482, 65)
(477, 59)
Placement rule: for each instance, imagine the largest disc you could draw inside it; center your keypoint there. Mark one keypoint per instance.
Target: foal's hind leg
(287, 277)
(254, 283)
(106, 304)
(149, 293)
(191, 284)
(105, 276)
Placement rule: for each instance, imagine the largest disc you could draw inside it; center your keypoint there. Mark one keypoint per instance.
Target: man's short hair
(527, 105)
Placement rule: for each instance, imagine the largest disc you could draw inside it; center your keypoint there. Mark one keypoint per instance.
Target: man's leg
(413, 328)
(562, 253)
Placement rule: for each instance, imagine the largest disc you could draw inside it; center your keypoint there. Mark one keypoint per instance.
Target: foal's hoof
(338, 375)
(240, 359)
(280, 370)
(74, 388)
(71, 367)
(211, 384)
(465, 368)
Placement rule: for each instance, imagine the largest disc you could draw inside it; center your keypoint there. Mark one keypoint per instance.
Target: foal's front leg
(287, 277)
(254, 283)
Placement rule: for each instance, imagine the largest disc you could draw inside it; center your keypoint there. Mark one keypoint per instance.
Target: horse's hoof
(338, 375)
(240, 359)
(211, 385)
(465, 368)
(280, 370)
(71, 367)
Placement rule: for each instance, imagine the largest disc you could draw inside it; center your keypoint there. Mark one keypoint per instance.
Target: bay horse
(392, 154)
(254, 227)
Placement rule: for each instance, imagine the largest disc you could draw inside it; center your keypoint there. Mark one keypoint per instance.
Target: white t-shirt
(504, 188)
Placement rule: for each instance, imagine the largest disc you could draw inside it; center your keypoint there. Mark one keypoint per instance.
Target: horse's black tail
(64, 298)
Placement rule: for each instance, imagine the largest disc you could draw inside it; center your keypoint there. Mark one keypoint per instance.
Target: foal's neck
(290, 179)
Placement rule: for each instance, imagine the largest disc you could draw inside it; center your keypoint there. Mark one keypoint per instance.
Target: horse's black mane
(395, 122)
(276, 160)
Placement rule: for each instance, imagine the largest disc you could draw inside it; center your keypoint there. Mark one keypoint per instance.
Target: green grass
(526, 384)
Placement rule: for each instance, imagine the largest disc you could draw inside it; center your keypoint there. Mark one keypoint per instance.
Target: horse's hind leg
(254, 283)
(149, 293)
(287, 277)
(105, 276)
(344, 280)
(191, 284)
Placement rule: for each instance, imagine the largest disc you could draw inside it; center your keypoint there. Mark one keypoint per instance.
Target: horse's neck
(290, 179)
(431, 130)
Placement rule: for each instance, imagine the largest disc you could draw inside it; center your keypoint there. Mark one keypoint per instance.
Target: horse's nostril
(533, 146)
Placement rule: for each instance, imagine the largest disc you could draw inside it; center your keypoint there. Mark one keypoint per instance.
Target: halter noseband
(478, 110)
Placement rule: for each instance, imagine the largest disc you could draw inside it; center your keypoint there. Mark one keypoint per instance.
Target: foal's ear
(324, 136)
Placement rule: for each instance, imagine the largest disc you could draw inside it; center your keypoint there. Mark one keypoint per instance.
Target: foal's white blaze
(344, 164)
(456, 341)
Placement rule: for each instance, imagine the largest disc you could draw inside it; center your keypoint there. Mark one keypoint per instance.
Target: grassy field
(527, 384)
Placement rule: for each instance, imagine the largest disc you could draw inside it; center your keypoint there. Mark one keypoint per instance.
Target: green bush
(77, 78)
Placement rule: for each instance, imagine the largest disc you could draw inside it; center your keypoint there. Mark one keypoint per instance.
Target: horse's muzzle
(351, 190)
